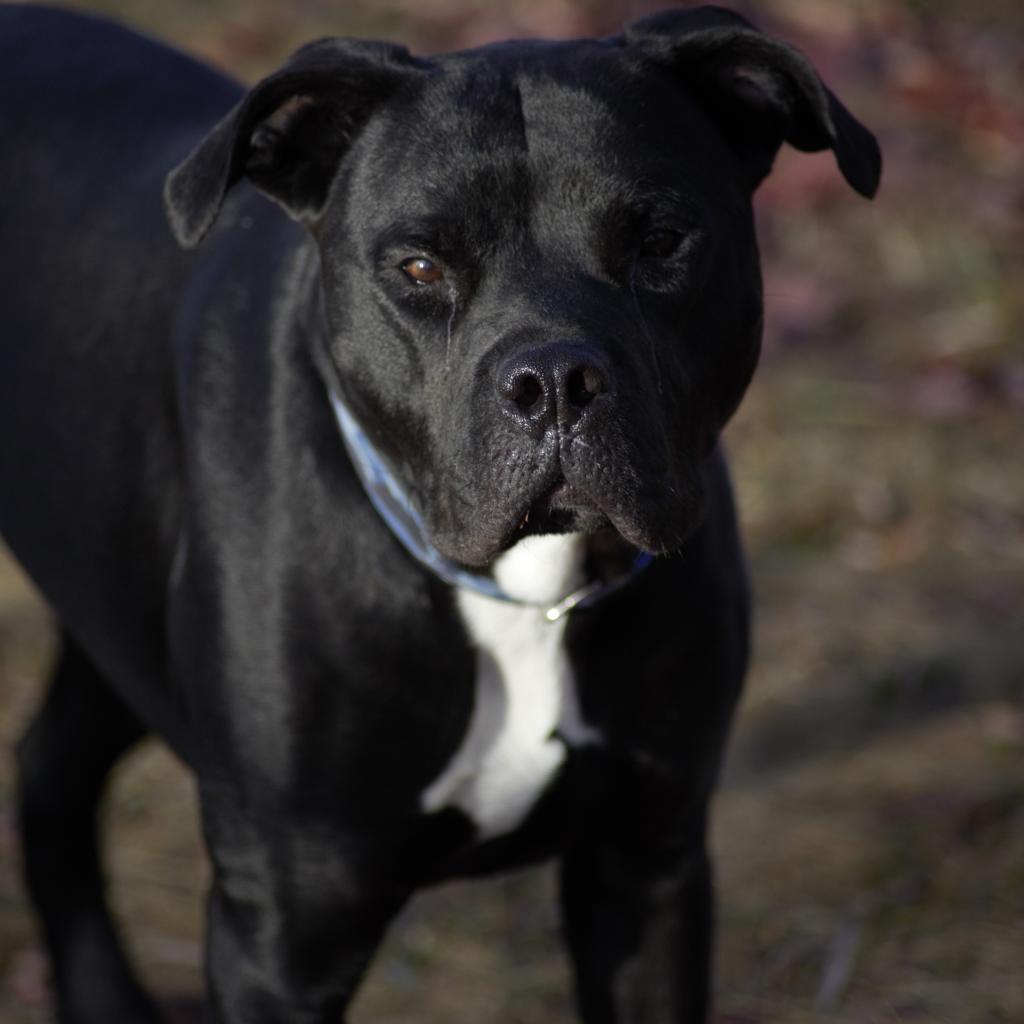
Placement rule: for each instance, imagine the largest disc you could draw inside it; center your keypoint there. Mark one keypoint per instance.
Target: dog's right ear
(289, 133)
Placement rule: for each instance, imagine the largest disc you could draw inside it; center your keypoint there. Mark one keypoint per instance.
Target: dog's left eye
(421, 270)
(660, 244)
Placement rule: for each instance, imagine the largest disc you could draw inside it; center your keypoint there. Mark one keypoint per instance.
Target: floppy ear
(288, 134)
(759, 92)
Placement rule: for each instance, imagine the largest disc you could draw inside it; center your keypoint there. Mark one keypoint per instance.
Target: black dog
(358, 513)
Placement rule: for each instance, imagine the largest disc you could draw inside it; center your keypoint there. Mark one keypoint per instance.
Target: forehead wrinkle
(548, 106)
(466, 130)
(566, 125)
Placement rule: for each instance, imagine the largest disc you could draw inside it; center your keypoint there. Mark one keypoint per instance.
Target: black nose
(551, 385)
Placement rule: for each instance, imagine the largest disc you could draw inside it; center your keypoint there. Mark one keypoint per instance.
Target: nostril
(525, 390)
(584, 384)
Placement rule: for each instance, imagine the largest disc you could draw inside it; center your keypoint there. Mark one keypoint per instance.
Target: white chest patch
(525, 709)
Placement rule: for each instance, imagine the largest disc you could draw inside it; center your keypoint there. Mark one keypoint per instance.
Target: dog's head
(538, 259)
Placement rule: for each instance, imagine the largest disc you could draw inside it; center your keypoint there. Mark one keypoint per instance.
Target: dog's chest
(525, 709)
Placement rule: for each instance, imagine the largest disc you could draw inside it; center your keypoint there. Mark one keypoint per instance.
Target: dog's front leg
(639, 933)
(293, 919)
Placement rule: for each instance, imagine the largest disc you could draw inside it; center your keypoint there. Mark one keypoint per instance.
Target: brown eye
(660, 244)
(422, 271)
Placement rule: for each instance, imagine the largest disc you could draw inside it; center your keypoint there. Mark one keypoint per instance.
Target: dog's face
(538, 259)
(553, 302)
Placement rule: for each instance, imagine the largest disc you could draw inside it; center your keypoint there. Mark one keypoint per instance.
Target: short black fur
(174, 481)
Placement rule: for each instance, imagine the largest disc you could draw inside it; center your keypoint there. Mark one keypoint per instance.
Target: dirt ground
(870, 831)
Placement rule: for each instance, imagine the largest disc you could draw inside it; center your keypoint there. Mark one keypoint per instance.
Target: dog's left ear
(759, 92)
(289, 133)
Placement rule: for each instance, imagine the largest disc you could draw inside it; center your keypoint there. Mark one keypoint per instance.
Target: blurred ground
(870, 834)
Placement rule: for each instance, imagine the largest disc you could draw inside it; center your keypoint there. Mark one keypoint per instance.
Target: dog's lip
(563, 508)
(564, 495)
(567, 500)
(550, 510)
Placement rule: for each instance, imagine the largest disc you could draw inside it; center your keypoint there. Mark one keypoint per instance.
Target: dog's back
(89, 280)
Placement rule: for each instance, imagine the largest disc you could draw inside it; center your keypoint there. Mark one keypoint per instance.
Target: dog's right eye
(421, 270)
(661, 243)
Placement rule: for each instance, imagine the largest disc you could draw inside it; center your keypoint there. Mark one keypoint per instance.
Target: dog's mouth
(609, 485)
(653, 519)
(561, 508)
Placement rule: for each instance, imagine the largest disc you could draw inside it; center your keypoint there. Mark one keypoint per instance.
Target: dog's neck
(404, 520)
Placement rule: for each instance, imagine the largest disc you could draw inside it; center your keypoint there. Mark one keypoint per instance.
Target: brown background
(870, 835)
